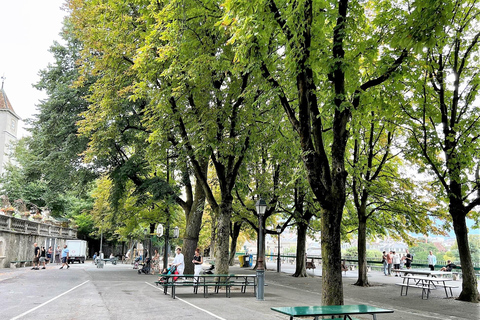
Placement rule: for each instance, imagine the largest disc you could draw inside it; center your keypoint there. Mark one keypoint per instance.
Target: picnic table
(208, 280)
(426, 284)
(340, 312)
(427, 273)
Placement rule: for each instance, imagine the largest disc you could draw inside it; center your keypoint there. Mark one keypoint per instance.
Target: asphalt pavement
(119, 292)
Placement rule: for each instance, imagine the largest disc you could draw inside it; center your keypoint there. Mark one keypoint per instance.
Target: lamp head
(261, 206)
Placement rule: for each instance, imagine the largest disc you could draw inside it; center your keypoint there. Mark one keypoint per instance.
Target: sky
(27, 30)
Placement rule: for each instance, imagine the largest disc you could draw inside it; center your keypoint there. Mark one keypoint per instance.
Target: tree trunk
(213, 238)
(193, 226)
(300, 270)
(332, 283)
(223, 236)
(362, 280)
(469, 280)
(233, 245)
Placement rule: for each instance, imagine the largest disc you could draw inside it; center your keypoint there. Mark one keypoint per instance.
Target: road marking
(45, 303)
(191, 304)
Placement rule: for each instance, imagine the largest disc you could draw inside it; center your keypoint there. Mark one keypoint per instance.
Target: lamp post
(261, 206)
(279, 262)
(145, 231)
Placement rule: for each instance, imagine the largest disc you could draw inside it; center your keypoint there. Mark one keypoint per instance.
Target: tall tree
(313, 56)
(200, 99)
(52, 155)
(386, 201)
(117, 123)
(444, 117)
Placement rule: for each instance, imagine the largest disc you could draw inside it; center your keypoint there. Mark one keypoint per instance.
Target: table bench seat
(227, 281)
(195, 286)
(22, 263)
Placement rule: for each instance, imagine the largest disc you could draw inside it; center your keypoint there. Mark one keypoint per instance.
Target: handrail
(16, 225)
(414, 264)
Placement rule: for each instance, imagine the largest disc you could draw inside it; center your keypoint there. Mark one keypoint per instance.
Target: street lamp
(261, 206)
(279, 263)
(176, 232)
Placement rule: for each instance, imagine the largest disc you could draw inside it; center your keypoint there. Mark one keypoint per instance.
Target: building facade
(9, 122)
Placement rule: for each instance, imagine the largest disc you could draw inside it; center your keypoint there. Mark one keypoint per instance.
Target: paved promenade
(119, 292)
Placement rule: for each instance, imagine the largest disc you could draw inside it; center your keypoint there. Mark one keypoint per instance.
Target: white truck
(77, 250)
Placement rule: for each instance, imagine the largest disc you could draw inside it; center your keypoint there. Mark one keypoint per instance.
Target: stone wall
(17, 237)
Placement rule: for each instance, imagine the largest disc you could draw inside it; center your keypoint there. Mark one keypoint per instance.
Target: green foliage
(421, 250)
(474, 244)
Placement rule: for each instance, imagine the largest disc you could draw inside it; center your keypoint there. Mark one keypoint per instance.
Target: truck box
(77, 250)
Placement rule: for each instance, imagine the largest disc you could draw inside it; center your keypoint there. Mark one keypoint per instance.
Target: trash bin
(247, 261)
(241, 260)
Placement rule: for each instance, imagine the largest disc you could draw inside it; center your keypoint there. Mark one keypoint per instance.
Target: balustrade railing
(12, 224)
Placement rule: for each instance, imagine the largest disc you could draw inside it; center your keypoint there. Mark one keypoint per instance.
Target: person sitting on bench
(449, 266)
(344, 266)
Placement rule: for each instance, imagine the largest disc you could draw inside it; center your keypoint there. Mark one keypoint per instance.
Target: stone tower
(8, 128)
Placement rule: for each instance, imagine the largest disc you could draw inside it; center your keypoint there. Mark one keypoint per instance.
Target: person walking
(384, 261)
(197, 263)
(43, 256)
(179, 261)
(408, 259)
(390, 262)
(432, 261)
(65, 253)
(49, 254)
(36, 257)
(156, 262)
(396, 262)
(58, 251)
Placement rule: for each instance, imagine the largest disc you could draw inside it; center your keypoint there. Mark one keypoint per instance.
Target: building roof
(5, 103)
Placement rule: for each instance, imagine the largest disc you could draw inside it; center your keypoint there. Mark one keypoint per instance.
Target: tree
(117, 124)
(312, 57)
(385, 200)
(50, 160)
(444, 124)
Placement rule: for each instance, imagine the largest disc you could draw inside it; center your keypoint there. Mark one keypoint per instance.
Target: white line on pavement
(55, 298)
(191, 304)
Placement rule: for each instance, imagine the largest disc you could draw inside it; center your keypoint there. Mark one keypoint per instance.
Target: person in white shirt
(432, 261)
(396, 262)
(179, 261)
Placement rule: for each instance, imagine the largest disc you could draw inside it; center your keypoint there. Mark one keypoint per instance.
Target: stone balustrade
(16, 225)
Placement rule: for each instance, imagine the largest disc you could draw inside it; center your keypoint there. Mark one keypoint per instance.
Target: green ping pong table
(336, 312)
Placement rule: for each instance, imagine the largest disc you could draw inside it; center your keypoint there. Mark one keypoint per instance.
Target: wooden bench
(22, 263)
(345, 311)
(425, 289)
(112, 260)
(426, 284)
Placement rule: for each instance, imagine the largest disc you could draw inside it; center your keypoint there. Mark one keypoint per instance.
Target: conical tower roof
(4, 102)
